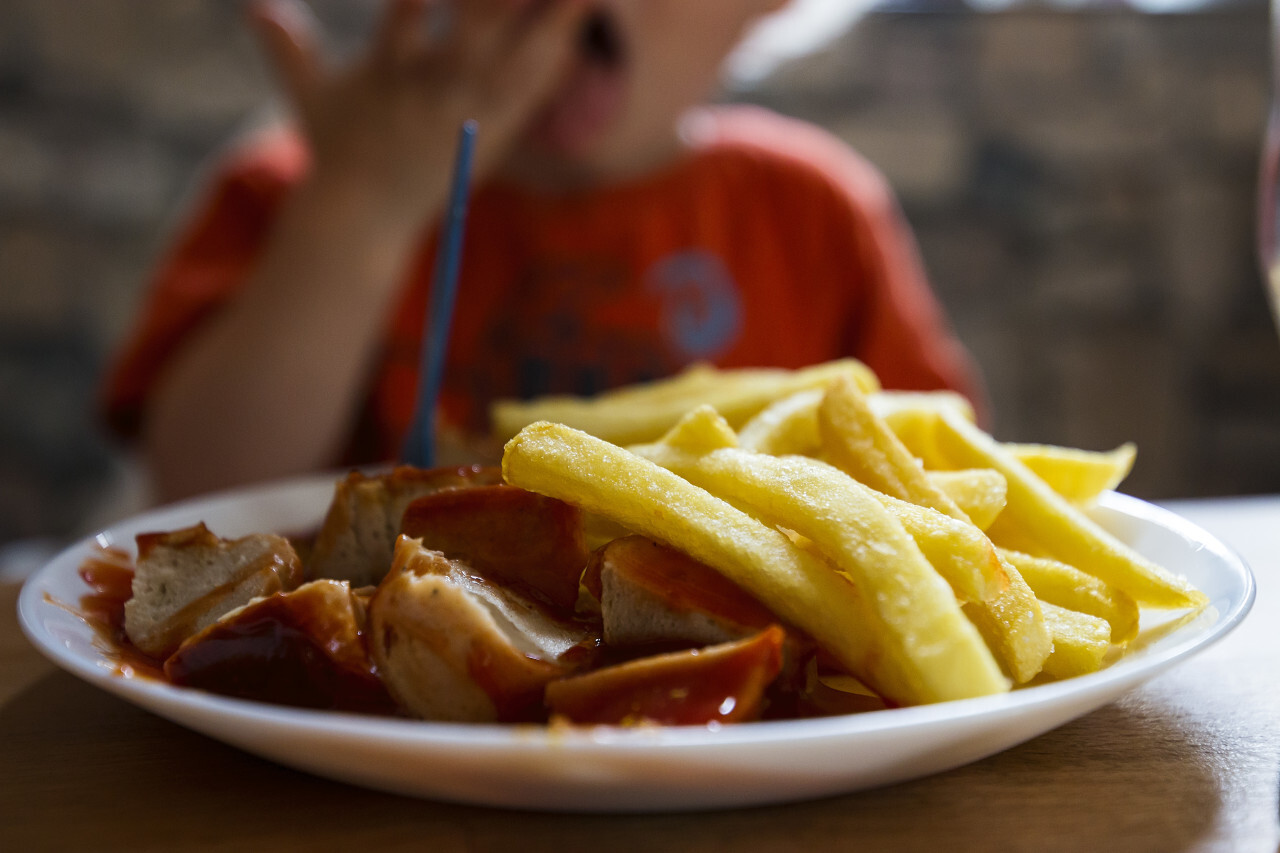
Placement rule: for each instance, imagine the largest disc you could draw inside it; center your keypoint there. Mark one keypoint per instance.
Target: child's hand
(384, 127)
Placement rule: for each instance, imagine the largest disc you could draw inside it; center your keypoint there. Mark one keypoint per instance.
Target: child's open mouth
(594, 89)
(600, 41)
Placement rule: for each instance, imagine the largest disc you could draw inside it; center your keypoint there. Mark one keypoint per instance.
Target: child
(617, 232)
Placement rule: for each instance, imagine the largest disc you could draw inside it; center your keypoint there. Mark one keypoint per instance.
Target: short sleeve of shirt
(897, 326)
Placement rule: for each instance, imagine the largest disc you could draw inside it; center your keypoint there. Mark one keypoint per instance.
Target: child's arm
(270, 385)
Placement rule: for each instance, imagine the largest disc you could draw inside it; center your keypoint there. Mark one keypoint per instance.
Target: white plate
(606, 769)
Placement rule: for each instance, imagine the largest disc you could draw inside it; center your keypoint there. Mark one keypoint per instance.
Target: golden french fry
(561, 462)
(643, 413)
(980, 493)
(957, 550)
(790, 426)
(700, 430)
(916, 428)
(928, 647)
(964, 557)
(859, 443)
(1080, 642)
(1057, 583)
(889, 404)
(1078, 475)
(787, 426)
(1012, 623)
(1037, 513)
(913, 417)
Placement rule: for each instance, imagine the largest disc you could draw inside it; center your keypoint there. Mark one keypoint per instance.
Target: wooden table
(1188, 762)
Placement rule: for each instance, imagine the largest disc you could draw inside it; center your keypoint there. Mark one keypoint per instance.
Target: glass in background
(1269, 174)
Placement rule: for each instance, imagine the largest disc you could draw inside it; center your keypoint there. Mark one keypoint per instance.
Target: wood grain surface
(1188, 762)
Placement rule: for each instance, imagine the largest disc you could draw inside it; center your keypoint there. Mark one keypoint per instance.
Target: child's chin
(580, 116)
(568, 145)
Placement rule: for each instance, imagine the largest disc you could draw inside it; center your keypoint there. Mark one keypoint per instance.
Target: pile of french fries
(928, 560)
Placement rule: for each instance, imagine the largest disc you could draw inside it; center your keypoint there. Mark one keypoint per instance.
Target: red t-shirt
(772, 244)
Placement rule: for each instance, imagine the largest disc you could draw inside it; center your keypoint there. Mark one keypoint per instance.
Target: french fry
(1080, 476)
(913, 416)
(790, 426)
(916, 429)
(956, 549)
(1080, 642)
(888, 404)
(1066, 586)
(859, 443)
(980, 493)
(925, 635)
(643, 413)
(561, 462)
(1037, 513)
(1012, 623)
(787, 426)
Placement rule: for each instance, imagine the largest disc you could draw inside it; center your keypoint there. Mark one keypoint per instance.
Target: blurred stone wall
(1081, 185)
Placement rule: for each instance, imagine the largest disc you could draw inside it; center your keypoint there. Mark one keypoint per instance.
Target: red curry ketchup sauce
(718, 684)
(108, 573)
(303, 648)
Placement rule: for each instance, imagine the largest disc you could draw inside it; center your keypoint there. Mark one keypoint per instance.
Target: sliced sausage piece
(359, 531)
(654, 595)
(533, 543)
(303, 648)
(451, 644)
(185, 579)
(725, 683)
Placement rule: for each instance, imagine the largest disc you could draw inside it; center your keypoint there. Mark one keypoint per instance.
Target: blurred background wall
(1082, 186)
(1081, 183)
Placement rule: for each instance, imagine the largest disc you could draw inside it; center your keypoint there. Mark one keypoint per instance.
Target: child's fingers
(544, 41)
(289, 34)
(547, 28)
(479, 28)
(401, 34)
